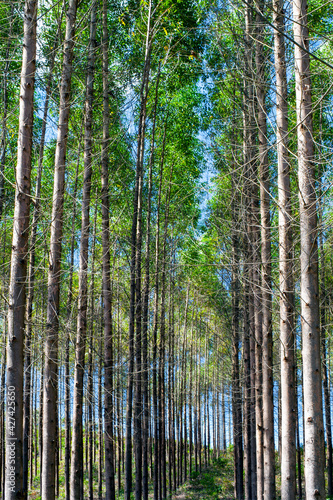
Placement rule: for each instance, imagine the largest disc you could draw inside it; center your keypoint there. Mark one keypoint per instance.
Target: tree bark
(90, 384)
(67, 341)
(106, 291)
(236, 390)
(17, 287)
(51, 341)
(31, 278)
(313, 412)
(267, 456)
(287, 336)
(76, 476)
(155, 330)
(135, 299)
(145, 366)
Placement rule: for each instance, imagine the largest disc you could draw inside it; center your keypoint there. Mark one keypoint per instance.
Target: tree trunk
(135, 299)
(162, 346)
(67, 341)
(155, 330)
(17, 287)
(100, 420)
(323, 327)
(90, 384)
(51, 341)
(267, 488)
(145, 366)
(40, 424)
(236, 390)
(313, 411)
(31, 277)
(76, 476)
(288, 393)
(106, 290)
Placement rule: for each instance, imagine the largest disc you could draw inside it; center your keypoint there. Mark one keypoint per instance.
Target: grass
(214, 482)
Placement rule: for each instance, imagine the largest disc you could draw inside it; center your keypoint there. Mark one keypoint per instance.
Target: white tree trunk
(288, 395)
(313, 410)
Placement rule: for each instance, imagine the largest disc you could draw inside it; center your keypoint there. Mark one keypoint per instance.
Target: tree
(286, 286)
(106, 281)
(77, 439)
(18, 272)
(51, 344)
(313, 410)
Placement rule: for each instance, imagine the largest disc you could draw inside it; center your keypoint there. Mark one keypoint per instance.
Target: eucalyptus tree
(17, 286)
(77, 439)
(135, 308)
(51, 343)
(286, 285)
(313, 411)
(106, 281)
(32, 262)
(266, 487)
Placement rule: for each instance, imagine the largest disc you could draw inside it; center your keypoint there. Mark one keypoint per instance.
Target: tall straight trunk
(69, 326)
(207, 431)
(190, 417)
(76, 476)
(218, 422)
(252, 293)
(18, 270)
(199, 412)
(90, 384)
(31, 427)
(327, 398)
(36, 427)
(313, 412)
(145, 365)
(236, 390)
(155, 330)
(31, 277)
(135, 298)
(40, 424)
(253, 413)
(106, 287)
(266, 489)
(173, 382)
(171, 403)
(51, 341)
(162, 346)
(247, 382)
(298, 446)
(246, 317)
(182, 398)
(100, 420)
(224, 428)
(119, 388)
(287, 336)
(323, 327)
(257, 338)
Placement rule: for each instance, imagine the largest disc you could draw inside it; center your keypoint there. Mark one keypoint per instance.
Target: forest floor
(215, 481)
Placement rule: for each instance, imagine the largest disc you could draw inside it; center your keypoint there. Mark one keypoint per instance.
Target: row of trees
(264, 276)
(137, 309)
